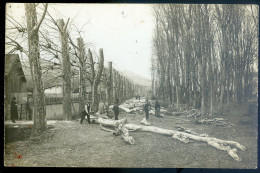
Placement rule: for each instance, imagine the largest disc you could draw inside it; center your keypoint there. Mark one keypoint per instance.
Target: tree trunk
(82, 73)
(110, 88)
(66, 69)
(183, 137)
(96, 80)
(40, 122)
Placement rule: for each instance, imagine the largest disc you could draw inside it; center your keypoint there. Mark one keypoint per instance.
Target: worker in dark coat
(28, 110)
(157, 107)
(147, 107)
(116, 110)
(85, 112)
(14, 111)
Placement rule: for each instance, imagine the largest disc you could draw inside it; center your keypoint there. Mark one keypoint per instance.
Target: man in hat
(85, 112)
(157, 108)
(116, 110)
(106, 107)
(147, 107)
(14, 111)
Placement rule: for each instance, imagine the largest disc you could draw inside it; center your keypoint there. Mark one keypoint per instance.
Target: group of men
(14, 110)
(86, 111)
(147, 107)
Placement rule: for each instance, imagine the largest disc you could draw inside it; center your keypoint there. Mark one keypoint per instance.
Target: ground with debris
(69, 144)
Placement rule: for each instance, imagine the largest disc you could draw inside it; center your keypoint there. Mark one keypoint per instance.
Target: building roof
(51, 74)
(10, 61)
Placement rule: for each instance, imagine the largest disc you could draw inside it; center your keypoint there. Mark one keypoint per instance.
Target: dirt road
(70, 144)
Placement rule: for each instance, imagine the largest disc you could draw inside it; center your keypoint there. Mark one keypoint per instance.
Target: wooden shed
(14, 81)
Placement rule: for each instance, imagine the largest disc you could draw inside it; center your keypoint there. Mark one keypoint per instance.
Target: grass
(70, 144)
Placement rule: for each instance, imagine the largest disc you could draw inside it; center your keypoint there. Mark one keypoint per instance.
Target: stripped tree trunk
(40, 122)
(67, 112)
(82, 70)
(96, 78)
(110, 87)
(229, 146)
(184, 137)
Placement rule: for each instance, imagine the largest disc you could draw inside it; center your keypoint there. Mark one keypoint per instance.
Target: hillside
(137, 79)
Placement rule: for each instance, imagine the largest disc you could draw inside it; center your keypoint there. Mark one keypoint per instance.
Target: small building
(14, 82)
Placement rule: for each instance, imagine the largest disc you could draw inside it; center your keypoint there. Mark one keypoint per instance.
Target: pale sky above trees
(125, 38)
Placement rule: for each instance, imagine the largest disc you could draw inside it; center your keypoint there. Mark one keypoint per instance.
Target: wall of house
(53, 90)
(53, 111)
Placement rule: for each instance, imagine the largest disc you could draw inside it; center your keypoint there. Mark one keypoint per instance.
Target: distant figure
(147, 107)
(14, 111)
(85, 112)
(116, 110)
(157, 107)
(106, 107)
(28, 110)
(139, 97)
(101, 107)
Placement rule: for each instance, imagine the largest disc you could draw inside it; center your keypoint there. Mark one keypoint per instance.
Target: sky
(126, 38)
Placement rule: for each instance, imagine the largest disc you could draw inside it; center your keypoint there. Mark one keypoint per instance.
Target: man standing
(85, 112)
(106, 107)
(87, 108)
(157, 108)
(28, 110)
(116, 110)
(147, 107)
(101, 107)
(14, 111)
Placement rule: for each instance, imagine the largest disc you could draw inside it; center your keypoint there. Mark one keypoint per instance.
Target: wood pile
(214, 122)
(181, 134)
(187, 114)
(145, 122)
(132, 105)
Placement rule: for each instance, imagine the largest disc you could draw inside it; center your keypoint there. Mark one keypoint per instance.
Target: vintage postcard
(131, 85)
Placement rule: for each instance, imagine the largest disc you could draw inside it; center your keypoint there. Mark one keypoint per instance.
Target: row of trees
(58, 41)
(204, 55)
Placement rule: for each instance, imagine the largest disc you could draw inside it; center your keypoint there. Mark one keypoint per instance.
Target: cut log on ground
(122, 107)
(214, 122)
(182, 136)
(229, 146)
(109, 122)
(121, 131)
(182, 129)
(125, 134)
(145, 122)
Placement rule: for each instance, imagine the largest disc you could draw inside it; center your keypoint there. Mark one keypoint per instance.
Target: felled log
(182, 129)
(145, 122)
(183, 137)
(214, 122)
(152, 112)
(109, 122)
(180, 137)
(125, 109)
(125, 134)
(121, 131)
(219, 144)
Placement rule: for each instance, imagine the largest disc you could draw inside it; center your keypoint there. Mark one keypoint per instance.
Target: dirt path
(72, 144)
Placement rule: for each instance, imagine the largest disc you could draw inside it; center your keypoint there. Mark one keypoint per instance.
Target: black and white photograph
(131, 85)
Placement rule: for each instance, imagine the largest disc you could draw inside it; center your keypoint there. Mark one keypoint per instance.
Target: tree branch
(43, 15)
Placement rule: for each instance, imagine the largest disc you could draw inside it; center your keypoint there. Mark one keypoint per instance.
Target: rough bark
(82, 68)
(40, 122)
(66, 69)
(96, 77)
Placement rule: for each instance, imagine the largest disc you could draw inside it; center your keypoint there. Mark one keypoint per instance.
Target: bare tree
(33, 26)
